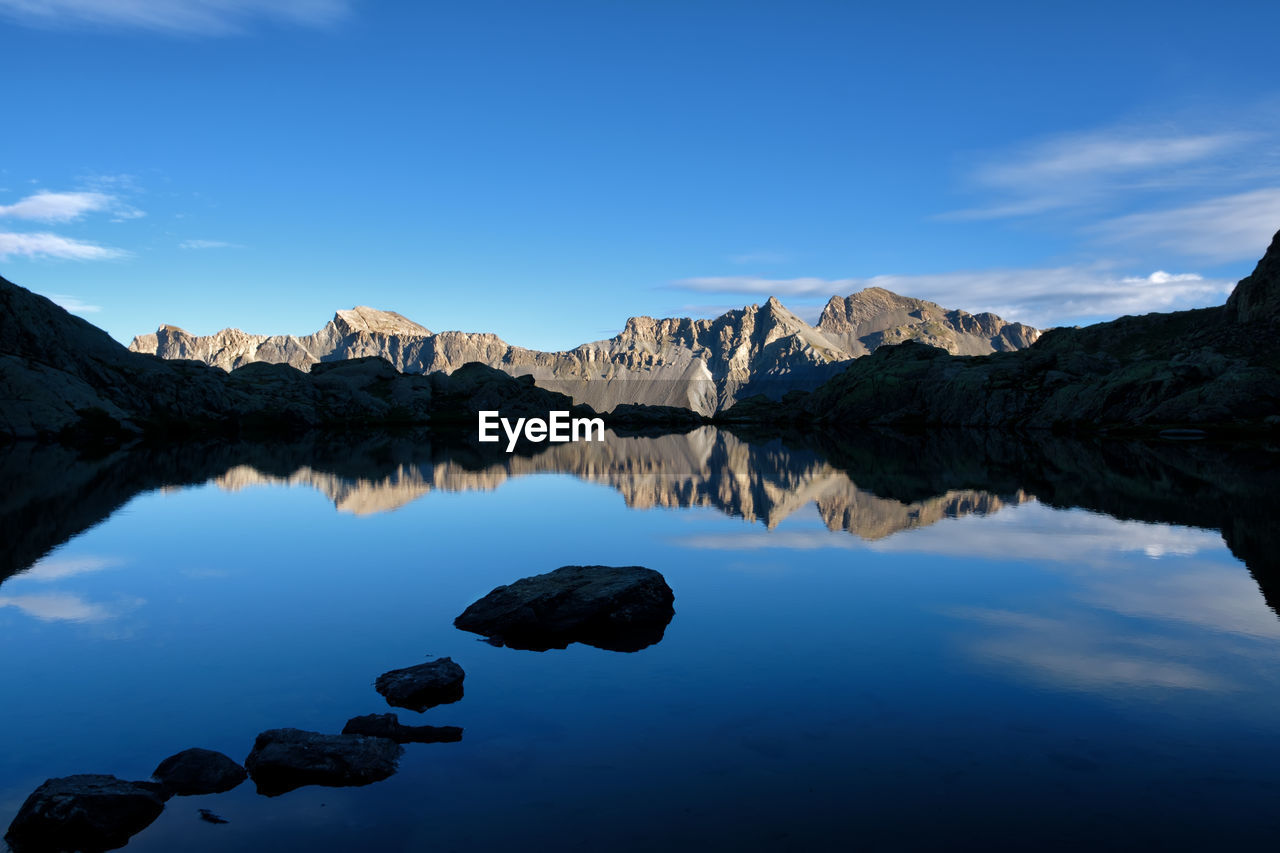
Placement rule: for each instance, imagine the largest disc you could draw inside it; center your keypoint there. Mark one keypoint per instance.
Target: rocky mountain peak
(373, 321)
(850, 312)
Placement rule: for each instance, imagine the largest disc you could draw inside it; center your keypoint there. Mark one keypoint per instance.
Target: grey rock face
(426, 685)
(621, 609)
(390, 727)
(199, 771)
(703, 365)
(84, 812)
(876, 317)
(1256, 299)
(285, 759)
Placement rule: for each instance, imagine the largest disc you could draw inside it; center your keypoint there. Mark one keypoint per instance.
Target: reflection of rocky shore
(872, 485)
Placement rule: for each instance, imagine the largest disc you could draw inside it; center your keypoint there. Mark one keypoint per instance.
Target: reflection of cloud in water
(1080, 652)
(1185, 598)
(1035, 532)
(59, 607)
(1029, 531)
(55, 568)
(1218, 598)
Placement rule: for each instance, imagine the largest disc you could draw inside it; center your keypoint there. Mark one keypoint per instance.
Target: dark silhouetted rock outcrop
(390, 727)
(199, 771)
(85, 812)
(285, 759)
(621, 609)
(1256, 298)
(426, 685)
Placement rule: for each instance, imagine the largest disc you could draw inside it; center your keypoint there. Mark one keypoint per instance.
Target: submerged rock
(285, 759)
(199, 771)
(390, 727)
(622, 609)
(424, 686)
(85, 812)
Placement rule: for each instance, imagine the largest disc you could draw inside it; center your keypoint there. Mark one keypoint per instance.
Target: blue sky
(544, 170)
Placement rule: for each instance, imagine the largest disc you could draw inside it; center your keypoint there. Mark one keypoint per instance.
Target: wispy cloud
(192, 17)
(1041, 297)
(208, 244)
(1084, 169)
(1227, 228)
(46, 206)
(759, 257)
(46, 245)
(72, 304)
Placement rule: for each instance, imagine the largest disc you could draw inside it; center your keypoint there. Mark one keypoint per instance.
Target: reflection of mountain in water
(706, 467)
(872, 485)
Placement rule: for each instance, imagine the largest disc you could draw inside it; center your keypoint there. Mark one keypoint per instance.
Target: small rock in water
(389, 726)
(424, 686)
(199, 771)
(285, 759)
(84, 812)
(209, 817)
(622, 609)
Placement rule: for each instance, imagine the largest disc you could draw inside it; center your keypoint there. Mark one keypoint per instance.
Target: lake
(887, 642)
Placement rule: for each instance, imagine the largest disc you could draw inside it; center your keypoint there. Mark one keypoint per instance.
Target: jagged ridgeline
(704, 365)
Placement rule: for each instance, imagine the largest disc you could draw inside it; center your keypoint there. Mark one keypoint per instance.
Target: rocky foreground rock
(621, 609)
(437, 682)
(199, 771)
(285, 759)
(702, 365)
(84, 812)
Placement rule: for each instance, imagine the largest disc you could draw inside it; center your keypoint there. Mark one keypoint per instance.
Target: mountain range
(702, 365)
(1212, 368)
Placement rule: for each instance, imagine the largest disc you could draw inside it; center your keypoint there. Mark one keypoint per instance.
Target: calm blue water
(976, 670)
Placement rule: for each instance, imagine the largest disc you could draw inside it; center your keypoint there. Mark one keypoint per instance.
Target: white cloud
(72, 304)
(1227, 228)
(46, 245)
(1086, 168)
(46, 206)
(1076, 156)
(208, 244)
(1040, 297)
(198, 17)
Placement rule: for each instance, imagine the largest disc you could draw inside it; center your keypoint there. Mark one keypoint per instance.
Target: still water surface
(881, 645)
